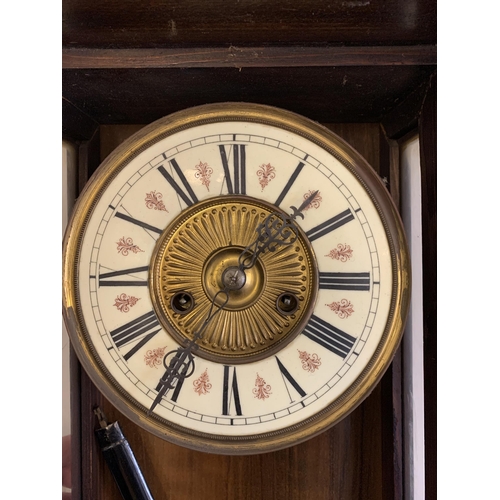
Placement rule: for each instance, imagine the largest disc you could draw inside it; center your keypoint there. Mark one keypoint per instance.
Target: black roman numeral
(146, 325)
(344, 281)
(236, 183)
(329, 225)
(187, 194)
(293, 382)
(328, 336)
(289, 184)
(230, 391)
(137, 222)
(105, 281)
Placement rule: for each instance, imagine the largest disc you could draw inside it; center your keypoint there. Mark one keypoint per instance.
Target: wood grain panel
(428, 155)
(157, 23)
(247, 57)
(325, 94)
(344, 462)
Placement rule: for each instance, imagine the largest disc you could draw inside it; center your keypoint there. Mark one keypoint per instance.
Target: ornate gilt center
(198, 256)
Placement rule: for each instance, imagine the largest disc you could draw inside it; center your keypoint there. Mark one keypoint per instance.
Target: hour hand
(179, 364)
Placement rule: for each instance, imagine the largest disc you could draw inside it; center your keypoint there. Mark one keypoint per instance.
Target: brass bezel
(387, 211)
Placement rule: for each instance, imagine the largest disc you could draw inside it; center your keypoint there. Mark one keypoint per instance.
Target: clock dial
(299, 337)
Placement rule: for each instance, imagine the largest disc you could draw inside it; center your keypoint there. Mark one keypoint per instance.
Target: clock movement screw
(287, 303)
(182, 302)
(234, 278)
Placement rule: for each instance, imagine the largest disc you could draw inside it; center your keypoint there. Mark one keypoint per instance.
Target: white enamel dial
(343, 225)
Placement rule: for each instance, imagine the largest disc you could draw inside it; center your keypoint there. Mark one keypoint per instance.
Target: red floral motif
(342, 253)
(202, 384)
(204, 172)
(153, 201)
(343, 308)
(261, 390)
(154, 357)
(316, 202)
(126, 245)
(266, 174)
(124, 302)
(309, 363)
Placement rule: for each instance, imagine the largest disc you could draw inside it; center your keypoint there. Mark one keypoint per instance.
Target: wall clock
(235, 278)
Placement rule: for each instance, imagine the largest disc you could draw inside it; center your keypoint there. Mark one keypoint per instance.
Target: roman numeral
(328, 336)
(137, 222)
(289, 184)
(187, 194)
(329, 225)
(105, 281)
(236, 183)
(230, 393)
(146, 325)
(286, 375)
(344, 281)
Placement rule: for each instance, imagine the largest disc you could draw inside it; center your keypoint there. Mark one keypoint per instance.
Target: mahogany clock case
(372, 91)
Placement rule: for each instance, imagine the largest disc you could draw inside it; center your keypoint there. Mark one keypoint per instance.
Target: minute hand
(297, 212)
(179, 364)
(276, 230)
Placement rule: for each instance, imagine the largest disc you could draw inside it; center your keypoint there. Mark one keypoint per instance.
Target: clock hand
(305, 204)
(181, 365)
(275, 230)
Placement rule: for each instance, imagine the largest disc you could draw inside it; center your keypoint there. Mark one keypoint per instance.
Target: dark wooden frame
(373, 96)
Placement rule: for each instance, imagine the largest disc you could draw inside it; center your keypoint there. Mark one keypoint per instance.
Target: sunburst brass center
(198, 254)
